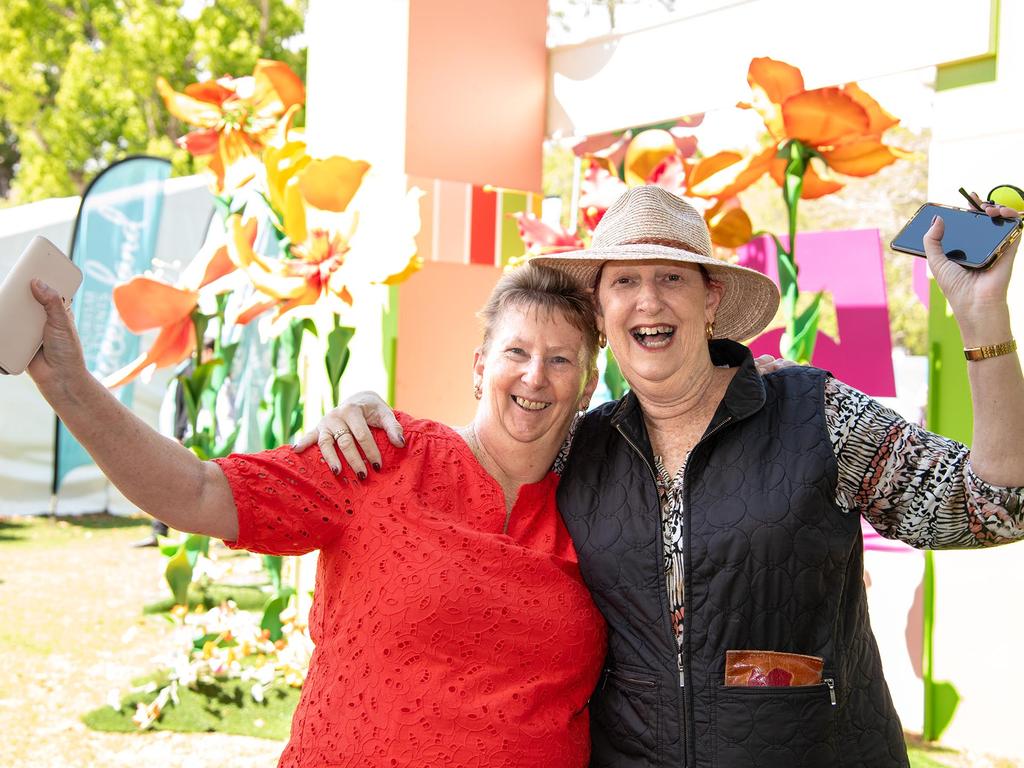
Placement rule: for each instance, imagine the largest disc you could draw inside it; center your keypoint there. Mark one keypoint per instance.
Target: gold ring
(341, 433)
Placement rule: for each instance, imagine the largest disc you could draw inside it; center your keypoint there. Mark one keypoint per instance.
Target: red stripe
(481, 235)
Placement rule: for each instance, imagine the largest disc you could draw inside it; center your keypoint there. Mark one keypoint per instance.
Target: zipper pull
(831, 689)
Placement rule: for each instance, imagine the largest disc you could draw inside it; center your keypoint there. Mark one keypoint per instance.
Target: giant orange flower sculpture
(837, 129)
(841, 126)
(146, 303)
(234, 117)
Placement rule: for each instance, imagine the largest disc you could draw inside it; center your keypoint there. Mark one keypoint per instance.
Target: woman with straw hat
(716, 511)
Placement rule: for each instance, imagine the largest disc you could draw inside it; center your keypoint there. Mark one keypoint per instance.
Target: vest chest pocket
(624, 713)
(792, 727)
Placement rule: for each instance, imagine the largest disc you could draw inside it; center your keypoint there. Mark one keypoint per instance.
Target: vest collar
(744, 396)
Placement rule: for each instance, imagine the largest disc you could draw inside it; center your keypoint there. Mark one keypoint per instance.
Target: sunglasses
(1004, 194)
(1008, 195)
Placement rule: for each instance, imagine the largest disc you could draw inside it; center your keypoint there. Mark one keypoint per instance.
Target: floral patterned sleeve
(563, 452)
(911, 484)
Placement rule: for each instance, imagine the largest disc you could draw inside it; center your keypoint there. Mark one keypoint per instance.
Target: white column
(356, 106)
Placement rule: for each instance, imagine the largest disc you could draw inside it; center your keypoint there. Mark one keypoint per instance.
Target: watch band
(990, 350)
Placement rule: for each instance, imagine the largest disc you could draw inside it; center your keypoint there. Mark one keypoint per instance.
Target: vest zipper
(690, 735)
(831, 689)
(666, 622)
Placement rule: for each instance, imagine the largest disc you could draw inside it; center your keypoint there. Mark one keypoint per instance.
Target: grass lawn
(72, 593)
(224, 707)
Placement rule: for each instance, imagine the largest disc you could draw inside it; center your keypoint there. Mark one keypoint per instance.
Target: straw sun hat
(651, 223)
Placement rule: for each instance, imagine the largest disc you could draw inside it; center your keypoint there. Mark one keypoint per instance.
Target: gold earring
(602, 340)
(478, 391)
(709, 330)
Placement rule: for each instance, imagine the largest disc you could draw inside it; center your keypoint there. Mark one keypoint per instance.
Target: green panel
(949, 414)
(967, 72)
(389, 340)
(949, 393)
(979, 69)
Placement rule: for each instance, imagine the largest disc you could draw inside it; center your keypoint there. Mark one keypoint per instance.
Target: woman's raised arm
(978, 299)
(156, 473)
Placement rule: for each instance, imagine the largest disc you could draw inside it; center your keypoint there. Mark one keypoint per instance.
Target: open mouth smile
(653, 336)
(529, 405)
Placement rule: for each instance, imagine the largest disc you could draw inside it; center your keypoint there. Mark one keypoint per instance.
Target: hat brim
(749, 298)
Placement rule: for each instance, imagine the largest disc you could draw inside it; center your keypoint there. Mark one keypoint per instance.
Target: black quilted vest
(771, 564)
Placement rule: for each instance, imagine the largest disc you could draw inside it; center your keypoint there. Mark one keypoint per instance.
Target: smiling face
(534, 375)
(654, 314)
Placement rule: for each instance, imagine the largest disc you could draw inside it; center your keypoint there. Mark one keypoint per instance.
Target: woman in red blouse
(452, 627)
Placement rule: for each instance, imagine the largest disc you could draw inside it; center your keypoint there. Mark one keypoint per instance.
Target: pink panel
(875, 542)
(848, 265)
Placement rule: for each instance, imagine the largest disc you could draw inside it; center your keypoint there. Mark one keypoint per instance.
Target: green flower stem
(801, 329)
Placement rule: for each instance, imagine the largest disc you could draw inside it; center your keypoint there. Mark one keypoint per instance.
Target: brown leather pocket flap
(771, 669)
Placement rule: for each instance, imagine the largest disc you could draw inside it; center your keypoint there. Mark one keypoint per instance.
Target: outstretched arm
(157, 474)
(347, 429)
(978, 299)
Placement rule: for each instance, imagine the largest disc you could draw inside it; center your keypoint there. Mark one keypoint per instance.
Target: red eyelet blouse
(440, 640)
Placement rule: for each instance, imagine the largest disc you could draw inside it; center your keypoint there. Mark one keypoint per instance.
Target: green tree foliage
(77, 78)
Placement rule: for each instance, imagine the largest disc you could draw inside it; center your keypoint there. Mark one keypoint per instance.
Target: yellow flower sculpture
(296, 180)
(288, 284)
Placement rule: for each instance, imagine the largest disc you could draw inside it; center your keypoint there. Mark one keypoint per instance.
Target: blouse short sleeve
(288, 503)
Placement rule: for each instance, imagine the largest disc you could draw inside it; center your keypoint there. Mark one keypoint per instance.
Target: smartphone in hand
(972, 239)
(22, 318)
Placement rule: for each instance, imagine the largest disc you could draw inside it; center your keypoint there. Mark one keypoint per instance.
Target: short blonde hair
(534, 286)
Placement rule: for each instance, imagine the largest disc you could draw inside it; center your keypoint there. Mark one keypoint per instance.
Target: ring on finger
(340, 433)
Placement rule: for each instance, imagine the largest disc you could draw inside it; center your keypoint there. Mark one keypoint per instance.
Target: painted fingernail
(935, 218)
(362, 475)
(376, 466)
(336, 471)
(401, 442)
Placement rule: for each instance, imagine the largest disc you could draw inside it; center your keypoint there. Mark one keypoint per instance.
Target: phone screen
(970, 238)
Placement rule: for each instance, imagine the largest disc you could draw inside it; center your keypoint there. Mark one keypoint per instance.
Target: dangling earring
(709, 330)
(602, 340)
(477, 391)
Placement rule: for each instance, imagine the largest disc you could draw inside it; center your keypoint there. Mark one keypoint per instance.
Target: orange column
(451, 92)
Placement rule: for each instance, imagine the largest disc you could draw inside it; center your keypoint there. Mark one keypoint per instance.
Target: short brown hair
(534, 286)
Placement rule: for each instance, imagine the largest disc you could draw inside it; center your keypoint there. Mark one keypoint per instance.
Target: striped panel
(466, 224)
